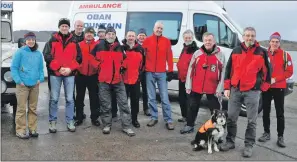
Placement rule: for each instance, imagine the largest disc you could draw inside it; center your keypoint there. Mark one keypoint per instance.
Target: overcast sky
(266, 16)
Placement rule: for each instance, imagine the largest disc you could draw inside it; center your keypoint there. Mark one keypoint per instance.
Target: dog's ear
(215, 112)
(226, 113)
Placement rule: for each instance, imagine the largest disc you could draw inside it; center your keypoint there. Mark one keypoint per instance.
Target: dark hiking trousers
(114, 105)
(82, 83)
(105, 101)
(183, 98)
(144, 91)
(133, 91)
(278, 95)
(194, 101)
(251, 100)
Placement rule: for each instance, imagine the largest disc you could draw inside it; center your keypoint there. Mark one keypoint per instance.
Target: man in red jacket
(87, 78)
(63, 55)
(204, 76)
(282, 69)
(109, 57)
(248, 72)
(190, 47)
(133, 65)
(158, 53)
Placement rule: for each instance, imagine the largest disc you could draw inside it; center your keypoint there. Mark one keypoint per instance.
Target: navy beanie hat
(110, 29)
(29, 35)
(64, 21)
(141, 31)
(102, 28)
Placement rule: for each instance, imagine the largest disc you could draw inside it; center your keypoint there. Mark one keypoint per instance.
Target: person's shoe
(265, 137)
(22, 135)
(147, 112)
(136, 124)
(129, 132)
(152, 123)
(227, 146)
(96, 122)
(78, 122)
(183, 119)
(280, 142)
(106, 130)
(220, 140)
(70, 126)
(247, 152)
(187, 129)
(52, 127)
(33, 134)
(170, 126)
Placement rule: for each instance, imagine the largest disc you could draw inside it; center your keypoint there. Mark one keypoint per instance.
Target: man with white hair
(78, 33)
(248, 72)
(158, 53)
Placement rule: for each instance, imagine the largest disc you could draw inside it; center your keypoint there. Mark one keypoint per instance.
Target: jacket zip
(113, 71)
(204, 74)
(88, 63)
(156, 54)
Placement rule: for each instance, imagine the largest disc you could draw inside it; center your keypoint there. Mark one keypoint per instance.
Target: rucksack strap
(285, 57)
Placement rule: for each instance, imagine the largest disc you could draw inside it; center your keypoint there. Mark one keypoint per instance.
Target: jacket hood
(256, 44)
(215, 50)
(191, 48)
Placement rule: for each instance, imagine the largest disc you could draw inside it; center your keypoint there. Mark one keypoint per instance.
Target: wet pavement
(150, 143)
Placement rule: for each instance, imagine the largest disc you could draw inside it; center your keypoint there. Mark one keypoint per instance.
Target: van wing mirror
(235, 41)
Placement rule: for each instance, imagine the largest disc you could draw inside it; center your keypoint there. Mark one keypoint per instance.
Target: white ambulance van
(177, 16)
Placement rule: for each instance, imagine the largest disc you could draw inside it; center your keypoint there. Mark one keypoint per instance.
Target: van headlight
(7, 76)
(3, 87)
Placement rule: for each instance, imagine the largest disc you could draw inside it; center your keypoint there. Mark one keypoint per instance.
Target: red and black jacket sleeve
(267, 70)
(228, 72)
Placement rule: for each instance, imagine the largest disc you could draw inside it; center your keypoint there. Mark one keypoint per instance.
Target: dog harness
(206, 126)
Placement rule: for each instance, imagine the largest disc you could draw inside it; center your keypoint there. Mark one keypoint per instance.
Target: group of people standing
(113, 71)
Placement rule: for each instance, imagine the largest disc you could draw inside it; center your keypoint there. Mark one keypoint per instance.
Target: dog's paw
(209, 151)
(216, 149)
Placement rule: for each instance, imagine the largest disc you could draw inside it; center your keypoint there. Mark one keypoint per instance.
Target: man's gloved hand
(122, 70)
(169, 76)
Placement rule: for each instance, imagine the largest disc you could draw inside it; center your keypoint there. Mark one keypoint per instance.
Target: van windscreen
(171, 20)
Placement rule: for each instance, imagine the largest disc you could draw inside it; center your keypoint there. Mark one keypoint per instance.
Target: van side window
(171, 20)
(210, 23)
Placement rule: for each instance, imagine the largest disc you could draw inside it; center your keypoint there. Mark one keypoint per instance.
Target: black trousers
(133, 91)
(183, 98)
(144, 91)
(48, 79)
(114, 105)
(194, 101)
(278, 95)
(82, 83)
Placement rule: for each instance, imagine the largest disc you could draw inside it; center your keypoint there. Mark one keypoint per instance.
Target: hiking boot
(78, 122)
(129, 132)
(247, 152)
(22, 135)
(136, 124)
(106, 130)
(280, 142)
(52, 127)
(152, 123)
(265, 137)
(70, 126)
(147, 112)
(183, 119)
(170, 126)
(96, 122)
(227, 146)
(33, 134)
(187, 129)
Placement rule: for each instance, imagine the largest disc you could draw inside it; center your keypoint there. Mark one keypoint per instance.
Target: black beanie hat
(64, 21)
(110, 29)
(141, 31)
(89, 30)
(102, 28)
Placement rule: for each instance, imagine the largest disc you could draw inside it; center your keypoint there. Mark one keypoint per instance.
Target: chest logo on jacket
(213, 68)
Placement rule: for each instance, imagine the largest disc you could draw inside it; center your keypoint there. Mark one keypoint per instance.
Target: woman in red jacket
(133, 65)
(282, 68)
(190, 47)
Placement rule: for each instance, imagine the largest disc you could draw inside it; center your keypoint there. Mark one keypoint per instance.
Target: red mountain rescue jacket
(133, 62)
(248, 68)
(184, 60)
(158, 52)
(205, 73)
(85, 67)
(108, 59)
(62, 51)
(282, 67)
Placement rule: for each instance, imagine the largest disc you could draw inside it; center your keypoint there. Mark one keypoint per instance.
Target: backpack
(285, 57)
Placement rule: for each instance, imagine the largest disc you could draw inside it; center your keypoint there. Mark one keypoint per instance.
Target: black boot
(136, 124)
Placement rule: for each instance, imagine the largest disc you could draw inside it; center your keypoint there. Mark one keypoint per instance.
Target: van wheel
(243, 108)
